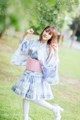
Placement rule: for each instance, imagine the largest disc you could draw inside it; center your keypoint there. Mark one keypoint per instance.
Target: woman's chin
(45, 39)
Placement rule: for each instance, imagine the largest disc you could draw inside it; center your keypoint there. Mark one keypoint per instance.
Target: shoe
(57, 112)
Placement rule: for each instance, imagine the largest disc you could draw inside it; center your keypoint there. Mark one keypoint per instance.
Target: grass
(65, 94)
(69, 64)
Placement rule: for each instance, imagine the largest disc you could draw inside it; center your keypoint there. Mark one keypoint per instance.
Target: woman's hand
(53, 42)
(53, 45)
(30, 31)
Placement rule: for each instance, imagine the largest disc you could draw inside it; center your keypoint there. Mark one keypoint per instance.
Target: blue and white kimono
(33, 85)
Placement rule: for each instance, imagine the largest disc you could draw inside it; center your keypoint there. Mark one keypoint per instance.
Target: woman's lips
(45, 36)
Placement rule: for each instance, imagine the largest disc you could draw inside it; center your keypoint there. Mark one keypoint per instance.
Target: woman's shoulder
(34, 41)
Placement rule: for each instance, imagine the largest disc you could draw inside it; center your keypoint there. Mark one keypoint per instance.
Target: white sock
(25, 109)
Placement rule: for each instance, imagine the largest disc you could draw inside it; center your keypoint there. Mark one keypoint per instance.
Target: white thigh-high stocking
(44, 104)
(55, 108)
(25, 109)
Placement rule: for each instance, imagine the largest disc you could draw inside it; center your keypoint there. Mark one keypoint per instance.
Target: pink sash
(33, 65)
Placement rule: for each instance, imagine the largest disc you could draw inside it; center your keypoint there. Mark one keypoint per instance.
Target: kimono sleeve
(19, 58)
(50, 69)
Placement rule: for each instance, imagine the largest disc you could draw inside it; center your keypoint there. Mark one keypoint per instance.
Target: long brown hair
(54, 39)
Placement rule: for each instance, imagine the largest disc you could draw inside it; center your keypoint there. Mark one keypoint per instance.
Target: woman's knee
(26, 100)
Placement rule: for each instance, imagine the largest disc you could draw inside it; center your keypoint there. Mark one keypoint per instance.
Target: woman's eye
(47, 30)
(49, 33)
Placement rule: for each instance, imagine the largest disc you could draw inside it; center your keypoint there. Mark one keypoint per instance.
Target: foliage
(47, 15)
(76, 22)
(3, 7)
(22, 14)
(78, 38)
(52, 13)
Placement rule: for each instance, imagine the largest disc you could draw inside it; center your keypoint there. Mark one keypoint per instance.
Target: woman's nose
(46, 33)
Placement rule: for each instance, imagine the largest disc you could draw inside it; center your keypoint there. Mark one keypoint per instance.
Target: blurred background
(16, 17)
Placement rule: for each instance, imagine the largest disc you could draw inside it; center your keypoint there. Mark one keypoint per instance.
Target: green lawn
(66, 94)
(69, 63)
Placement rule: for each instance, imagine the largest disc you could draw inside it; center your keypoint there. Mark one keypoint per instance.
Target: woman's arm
(19, 58)
(29, 31)
(50, 67)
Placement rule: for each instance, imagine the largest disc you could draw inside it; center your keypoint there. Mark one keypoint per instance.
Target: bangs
(51, 31)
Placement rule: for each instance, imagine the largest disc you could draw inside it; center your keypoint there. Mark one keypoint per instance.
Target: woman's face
(46, 35)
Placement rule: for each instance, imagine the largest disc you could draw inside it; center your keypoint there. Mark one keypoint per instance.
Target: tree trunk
(1, 33)
(74, 33)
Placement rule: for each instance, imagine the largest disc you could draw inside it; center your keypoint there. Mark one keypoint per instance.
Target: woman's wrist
(30, 31)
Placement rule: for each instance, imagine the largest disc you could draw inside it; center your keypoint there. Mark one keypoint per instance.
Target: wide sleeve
(50, 68)
(19, 58)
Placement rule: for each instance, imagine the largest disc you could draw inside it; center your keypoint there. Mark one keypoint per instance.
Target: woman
(40, 58)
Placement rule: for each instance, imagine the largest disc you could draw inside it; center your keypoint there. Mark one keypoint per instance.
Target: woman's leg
(54, 108)
(25, 109)
(44, 104)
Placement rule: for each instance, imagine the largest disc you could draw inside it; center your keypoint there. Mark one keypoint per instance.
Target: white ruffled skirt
(31, 86)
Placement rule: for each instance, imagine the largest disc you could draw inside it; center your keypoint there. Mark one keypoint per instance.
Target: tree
(22, 14)
(51, 13)
(75, 26)
(3, 7)
(47, 15)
